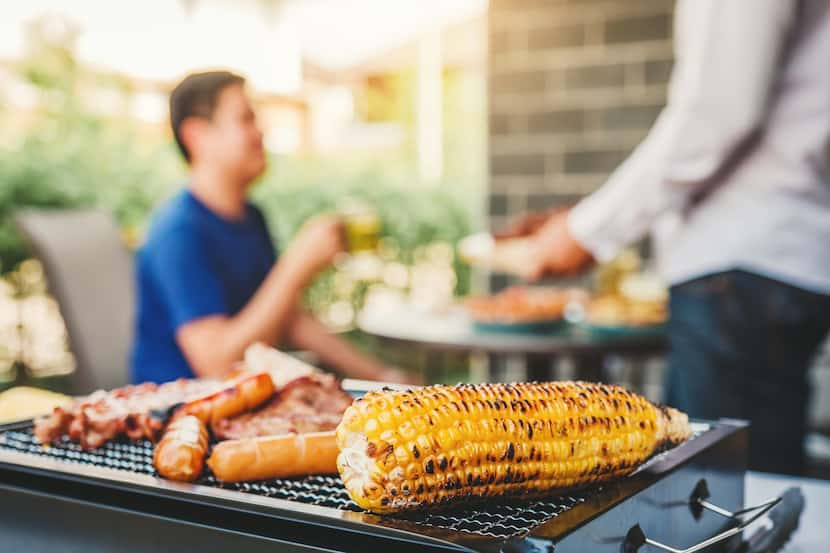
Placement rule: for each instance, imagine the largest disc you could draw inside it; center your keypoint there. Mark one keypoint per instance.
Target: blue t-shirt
(193, 264)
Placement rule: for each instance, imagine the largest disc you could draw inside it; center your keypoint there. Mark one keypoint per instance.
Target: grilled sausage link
(180, 454)
(242, 394)
(283, 456)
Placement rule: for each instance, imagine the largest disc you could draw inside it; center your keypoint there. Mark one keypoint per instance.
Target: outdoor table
(453, 331)
(813, 533)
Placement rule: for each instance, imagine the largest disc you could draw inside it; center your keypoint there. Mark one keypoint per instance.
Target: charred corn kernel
(403, 450)
(371, 427)
(407, 430)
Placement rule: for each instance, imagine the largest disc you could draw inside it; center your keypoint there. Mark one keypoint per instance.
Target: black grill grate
(497, 521)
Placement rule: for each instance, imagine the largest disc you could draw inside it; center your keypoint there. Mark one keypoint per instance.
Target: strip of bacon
(136, 411)
(310, 401)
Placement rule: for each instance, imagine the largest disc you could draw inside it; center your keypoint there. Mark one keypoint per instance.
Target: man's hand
(527, 224)
(398, 376)
(212, 344)
(556, 251)
(316, 245)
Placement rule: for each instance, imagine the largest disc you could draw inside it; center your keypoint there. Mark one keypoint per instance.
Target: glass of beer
(362, 226)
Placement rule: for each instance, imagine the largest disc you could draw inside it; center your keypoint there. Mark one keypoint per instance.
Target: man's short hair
(196, 96)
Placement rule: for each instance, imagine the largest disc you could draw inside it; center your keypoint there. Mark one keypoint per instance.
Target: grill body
(63, 498)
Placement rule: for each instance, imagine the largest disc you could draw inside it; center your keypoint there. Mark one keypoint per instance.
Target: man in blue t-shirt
(208, 279)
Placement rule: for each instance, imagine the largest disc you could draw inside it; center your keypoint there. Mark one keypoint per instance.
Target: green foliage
(72, 156)
(78, 162)
(412, 215)
(64, 153)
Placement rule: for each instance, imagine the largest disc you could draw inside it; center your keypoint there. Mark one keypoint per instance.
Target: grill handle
(636, 538)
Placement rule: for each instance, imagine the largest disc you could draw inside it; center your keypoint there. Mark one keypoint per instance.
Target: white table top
(453, 329)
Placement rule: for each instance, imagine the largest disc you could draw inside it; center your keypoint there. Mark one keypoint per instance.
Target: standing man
(733, 183)
(209, 281)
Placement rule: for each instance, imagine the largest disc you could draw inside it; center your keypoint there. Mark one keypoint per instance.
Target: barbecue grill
(65, 498)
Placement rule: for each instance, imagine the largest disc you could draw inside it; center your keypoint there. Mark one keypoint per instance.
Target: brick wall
(574, 86)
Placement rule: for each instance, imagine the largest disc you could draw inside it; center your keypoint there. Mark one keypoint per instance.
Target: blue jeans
(740, 347)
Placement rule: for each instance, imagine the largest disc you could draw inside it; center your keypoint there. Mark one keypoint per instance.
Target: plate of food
(521, 309)
(615, 315)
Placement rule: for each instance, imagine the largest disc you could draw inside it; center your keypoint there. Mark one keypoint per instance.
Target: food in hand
(509, 255)
(180, 454)
(428, 447)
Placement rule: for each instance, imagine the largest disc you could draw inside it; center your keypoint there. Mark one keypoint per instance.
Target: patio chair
(89, 271)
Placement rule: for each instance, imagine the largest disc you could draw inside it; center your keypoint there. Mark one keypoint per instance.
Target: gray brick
(560, 36)
(561, 116)
(594, 161)
(498, 205)
(499, 124)
(553, 164)
(638, 29)
(498, 223)
(556, 121)
(499, 41)
(511, 5)
(539, 202)
(520, 164)
(595, 76)
(630, 117)
(658, 71)
(525, 82)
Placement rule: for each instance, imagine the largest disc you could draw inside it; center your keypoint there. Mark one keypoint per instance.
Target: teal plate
(614, 331)
(534, 327)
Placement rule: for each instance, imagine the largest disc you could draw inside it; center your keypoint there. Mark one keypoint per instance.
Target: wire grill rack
(502, 521)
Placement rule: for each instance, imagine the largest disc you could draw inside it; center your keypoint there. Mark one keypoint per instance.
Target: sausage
(242, 394)
(180, 454)
(283, 456)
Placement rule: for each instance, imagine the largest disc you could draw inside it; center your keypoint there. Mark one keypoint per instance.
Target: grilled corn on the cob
(403, 450)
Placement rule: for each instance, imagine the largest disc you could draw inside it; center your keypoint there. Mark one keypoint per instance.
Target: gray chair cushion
(90, 272)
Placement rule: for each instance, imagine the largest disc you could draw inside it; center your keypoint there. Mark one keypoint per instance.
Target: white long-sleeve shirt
(734, 173)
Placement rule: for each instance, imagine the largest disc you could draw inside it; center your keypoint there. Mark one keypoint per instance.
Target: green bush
(72, 157)
(92, 165)
(412, 216)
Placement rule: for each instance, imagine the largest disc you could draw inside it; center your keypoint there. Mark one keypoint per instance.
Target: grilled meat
(313, 403)
(240, 394)
(134, 411)
(180, 454)
(267, 457)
